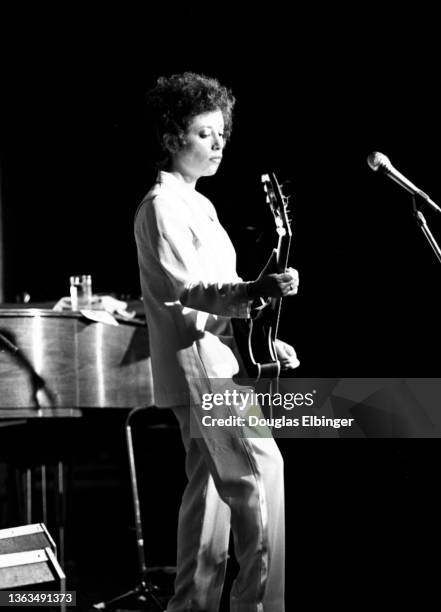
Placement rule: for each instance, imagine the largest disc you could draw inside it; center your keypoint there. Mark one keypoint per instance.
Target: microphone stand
(422, 223)
(145, 591)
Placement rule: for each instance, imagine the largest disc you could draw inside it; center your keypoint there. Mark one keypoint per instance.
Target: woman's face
(202, 152)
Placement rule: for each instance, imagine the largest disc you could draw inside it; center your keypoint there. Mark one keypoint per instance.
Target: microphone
(378, 161)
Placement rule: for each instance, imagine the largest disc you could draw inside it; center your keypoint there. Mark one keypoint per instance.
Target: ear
(170, 142)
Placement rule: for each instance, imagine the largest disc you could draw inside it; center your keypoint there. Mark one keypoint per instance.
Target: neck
(183, 176)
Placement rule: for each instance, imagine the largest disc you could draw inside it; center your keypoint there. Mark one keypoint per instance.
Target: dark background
(313, 100)
(315, 95)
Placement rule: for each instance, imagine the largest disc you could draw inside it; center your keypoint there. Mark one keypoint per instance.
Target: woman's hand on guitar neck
(274, 285)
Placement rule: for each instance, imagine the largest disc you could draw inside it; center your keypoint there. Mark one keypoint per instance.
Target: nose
(217, 142)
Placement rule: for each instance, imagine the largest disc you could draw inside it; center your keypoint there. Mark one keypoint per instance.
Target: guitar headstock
(278, 203)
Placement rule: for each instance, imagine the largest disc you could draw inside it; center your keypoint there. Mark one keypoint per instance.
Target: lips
(216, 159)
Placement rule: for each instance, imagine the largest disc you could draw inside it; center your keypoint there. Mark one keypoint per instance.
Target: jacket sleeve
(164, 234)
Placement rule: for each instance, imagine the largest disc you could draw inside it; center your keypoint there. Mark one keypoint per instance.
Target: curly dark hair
(177, 99)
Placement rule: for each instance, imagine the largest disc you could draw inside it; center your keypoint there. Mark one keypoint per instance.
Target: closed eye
(208, 134)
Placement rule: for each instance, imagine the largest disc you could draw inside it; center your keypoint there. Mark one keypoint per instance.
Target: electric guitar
(256, 337)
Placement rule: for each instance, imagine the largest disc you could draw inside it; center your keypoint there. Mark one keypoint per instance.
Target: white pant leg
(260, 545)
(248, 474)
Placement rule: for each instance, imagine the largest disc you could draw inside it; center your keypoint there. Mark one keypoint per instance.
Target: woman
(191, 290)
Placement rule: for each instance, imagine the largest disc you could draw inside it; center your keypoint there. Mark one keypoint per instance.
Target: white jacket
(190, 290)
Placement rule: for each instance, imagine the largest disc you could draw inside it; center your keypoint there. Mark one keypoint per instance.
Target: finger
(294, 274)
(288, 356)
(291, 288)
(285, 277)
(292, 291)
(291, 365)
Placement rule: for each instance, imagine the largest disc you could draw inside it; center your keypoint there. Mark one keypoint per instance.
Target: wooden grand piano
(55, 366)
(59, 363)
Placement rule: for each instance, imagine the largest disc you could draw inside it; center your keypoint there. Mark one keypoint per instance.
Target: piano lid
(52, 362)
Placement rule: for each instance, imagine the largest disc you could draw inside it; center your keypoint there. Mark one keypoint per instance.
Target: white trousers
(233, 481)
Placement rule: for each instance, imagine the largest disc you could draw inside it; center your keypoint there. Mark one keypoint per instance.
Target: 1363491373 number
(37, 598)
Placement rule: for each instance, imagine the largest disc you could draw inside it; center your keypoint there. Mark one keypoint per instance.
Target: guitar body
(255, 337)
(256, 347)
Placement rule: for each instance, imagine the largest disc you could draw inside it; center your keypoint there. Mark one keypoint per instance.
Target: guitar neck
(279, 207)
(283, 250)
